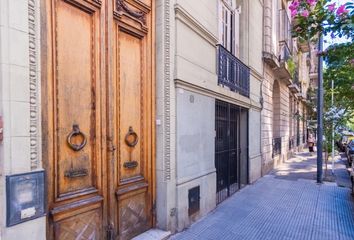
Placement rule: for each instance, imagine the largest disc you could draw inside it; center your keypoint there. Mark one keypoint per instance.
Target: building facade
(121, 116)
(287, 64)
(209, 74)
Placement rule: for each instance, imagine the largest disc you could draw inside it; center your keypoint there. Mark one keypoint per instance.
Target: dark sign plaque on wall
(25, 198)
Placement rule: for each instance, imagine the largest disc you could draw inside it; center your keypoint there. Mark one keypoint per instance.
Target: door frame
(106, 145)
(220, 196)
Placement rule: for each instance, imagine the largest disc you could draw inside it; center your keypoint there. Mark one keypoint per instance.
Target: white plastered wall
(19, 104)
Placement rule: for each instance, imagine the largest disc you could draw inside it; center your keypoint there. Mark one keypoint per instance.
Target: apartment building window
(229, 22)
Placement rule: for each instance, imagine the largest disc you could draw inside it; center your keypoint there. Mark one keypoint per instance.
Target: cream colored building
(227, 106)
(198, 43)
(286, 80)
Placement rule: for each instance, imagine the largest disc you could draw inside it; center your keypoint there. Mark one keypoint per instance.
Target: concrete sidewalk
(287, 204)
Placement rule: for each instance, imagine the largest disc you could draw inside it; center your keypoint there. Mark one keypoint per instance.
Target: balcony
(294, 87)
(283, 72)
(313, 74)
(301, 96)
(285, 47)
(270, 59)
(232, 72)
(304, 46)
(285, 36)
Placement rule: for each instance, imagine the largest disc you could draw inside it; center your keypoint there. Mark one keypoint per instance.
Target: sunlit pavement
(287, 204)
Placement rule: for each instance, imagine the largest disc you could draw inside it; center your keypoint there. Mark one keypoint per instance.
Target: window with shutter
(229, 25)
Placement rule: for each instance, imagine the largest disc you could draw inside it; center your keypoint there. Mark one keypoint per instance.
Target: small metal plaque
(74, 173)
(24, 197)
(130, 164)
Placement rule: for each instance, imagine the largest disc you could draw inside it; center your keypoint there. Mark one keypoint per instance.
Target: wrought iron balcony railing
(285, 53)
(285, 37)
(276, 146)
(283, 71)
(232, 72)
(296, 77)
(295, 85)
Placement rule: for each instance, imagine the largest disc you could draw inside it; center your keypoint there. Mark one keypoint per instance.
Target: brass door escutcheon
(131, 134)
(76, 132)
(131, 139)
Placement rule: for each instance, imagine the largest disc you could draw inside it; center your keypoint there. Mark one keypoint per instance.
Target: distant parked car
(350, 152)
(345, 139)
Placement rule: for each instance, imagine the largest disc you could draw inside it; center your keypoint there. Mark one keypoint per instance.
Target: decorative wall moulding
(33, 80)
(167, 91)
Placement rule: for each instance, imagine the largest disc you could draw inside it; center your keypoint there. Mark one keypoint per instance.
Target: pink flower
(331, 7)
(311, 2)
(293, 13)
(294, 5)
(341, 10)
(305, 13)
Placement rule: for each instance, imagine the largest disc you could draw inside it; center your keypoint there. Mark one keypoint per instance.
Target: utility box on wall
(25, 198)
(193, 200)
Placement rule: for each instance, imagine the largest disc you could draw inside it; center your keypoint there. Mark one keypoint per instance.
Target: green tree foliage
(312, 18)
(339, 59)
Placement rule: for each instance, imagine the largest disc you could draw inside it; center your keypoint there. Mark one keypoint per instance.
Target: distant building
(287, 65)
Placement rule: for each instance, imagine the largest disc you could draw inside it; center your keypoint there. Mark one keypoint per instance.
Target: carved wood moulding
(98, 1)
(122, 6)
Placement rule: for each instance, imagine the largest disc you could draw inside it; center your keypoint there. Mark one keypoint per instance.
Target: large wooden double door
(97, 115)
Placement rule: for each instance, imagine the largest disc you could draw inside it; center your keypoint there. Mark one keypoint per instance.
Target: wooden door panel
(130, 106)
(73, 118)
(75, 90)
(80, 227)
(134, 213)
(133, 102)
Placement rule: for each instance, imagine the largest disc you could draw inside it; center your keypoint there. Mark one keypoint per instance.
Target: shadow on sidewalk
(304, 166)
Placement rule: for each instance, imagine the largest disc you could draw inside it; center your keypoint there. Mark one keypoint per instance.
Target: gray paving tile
(282, 207)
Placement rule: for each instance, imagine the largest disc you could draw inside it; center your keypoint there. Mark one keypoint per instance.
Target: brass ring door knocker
(76, 132)
(131, 138)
